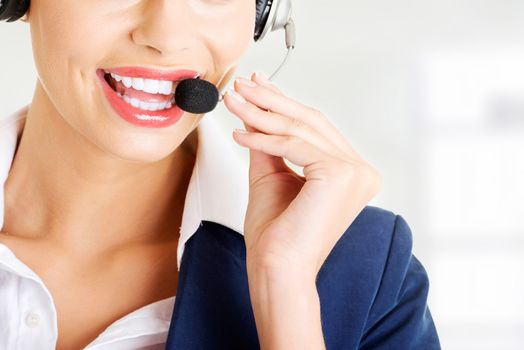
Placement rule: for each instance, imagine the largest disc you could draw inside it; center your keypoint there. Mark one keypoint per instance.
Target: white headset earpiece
(279, 18)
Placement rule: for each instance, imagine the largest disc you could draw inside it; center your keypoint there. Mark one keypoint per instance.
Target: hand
(292, 221)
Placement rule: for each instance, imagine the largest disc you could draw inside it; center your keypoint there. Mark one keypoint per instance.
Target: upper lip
(153, 73)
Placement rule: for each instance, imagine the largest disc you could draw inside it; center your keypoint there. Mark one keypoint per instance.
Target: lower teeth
(147, 106)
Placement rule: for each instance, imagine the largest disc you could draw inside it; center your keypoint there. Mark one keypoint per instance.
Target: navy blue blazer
(372, 290)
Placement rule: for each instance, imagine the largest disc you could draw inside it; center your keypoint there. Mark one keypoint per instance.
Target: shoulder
(374, 254)
(372, 280)
(375, 235)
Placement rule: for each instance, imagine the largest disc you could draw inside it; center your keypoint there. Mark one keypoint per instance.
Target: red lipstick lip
(157, 74)
(136, 116)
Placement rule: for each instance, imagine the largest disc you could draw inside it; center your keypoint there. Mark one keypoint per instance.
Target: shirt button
(32, 320)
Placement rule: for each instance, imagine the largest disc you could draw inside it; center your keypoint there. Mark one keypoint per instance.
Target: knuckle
(296, 123)
(290, 142)
(263, 143)
(291, 139)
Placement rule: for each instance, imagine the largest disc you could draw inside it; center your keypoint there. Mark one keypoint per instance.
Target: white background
(432, 94)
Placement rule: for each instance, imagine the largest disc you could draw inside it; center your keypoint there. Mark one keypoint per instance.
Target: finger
(260, 163)
(274, 123)
(267, 99)
(261, 79)
(290, 147)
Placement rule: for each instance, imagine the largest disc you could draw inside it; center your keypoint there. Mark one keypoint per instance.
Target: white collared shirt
(217, 191)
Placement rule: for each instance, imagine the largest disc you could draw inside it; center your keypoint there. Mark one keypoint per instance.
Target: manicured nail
(236, 96)
(263, 78)
(246, 82)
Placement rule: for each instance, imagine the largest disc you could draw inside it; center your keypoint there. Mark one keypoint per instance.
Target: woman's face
(72, 39)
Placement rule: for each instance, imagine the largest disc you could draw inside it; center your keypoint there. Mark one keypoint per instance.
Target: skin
(78, 223)
(292, 221)
(93, 203)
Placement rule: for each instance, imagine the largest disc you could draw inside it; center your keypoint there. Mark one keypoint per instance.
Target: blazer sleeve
(399, 317)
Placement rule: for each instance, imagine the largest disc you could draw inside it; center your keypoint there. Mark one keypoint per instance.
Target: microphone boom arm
(290, 44)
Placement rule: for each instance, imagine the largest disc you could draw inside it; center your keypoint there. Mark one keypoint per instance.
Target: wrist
(280, 272)
(266, 284)
(286, 310)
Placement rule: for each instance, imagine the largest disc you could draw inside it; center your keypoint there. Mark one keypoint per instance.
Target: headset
(271, 14)
(12, 10)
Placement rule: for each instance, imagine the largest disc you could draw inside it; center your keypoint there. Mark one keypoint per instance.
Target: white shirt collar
(218, 188)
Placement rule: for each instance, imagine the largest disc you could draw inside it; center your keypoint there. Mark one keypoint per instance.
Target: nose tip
(165, 27)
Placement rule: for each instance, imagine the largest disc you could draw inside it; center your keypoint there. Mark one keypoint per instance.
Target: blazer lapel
(212, 307)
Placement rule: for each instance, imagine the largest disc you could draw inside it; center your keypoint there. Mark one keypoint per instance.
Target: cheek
(67, 46)
(64, 37)
(229, 40)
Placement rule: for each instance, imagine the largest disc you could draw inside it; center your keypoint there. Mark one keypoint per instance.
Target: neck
(63, 188)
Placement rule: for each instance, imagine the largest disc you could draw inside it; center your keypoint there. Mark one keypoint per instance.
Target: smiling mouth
(143, 93)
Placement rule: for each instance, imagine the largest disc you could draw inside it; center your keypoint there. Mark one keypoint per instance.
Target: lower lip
(137, 116)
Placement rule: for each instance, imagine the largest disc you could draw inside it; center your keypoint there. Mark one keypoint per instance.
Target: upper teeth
(151, 86)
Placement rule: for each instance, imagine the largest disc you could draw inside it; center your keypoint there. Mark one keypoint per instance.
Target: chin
(150, 150)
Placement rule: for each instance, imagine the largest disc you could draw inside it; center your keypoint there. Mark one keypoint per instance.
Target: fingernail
(263, 78)
(235, 95)
(246, 82)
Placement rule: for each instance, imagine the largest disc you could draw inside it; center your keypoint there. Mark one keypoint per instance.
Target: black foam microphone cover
(196, 96)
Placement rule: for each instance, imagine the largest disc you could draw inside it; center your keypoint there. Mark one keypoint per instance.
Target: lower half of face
(101, 65)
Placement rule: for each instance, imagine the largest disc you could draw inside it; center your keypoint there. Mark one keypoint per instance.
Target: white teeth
(146, 106)
(152, 86)
(135, 102)
(151, 117)
(165, 87)
(138, 83)
(116, 77)
(128, 82)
